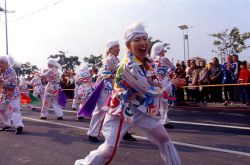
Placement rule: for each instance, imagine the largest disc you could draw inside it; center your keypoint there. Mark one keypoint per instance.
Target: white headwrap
(133, 31)
(54, 63)
(156, 49)
(8, 59)
(111, 43)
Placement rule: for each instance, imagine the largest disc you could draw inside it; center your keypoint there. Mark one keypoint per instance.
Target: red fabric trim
(117, 138)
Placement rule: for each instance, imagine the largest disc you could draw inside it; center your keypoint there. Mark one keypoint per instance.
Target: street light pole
(6, 24)
(184, 45)
(6, 28)
(185, 37)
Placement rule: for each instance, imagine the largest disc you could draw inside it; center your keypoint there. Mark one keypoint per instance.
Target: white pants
(113, 130)
(98, 116)
(164, 111)
(75, 102)
(11, 112)
(45, 108)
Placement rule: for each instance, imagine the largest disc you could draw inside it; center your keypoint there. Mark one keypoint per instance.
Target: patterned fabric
(37, 85)
(53, 87)
(133, 87)
(24, 88)
(84, 85)
(10, 90)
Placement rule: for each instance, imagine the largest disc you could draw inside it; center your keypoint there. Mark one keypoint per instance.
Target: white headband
(134, 31)
(54, 63)
(111, 43)
(157, 49)
(8, 59)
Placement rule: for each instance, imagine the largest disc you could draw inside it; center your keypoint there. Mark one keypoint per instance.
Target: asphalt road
(202, 137)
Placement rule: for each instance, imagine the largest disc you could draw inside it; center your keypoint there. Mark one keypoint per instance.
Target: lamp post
(184, 29)
(6, 25)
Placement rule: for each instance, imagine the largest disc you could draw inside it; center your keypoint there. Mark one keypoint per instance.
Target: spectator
(180, 73)
(203, 80)
(192, 81)
(187, 78)
(215, 78)
(244, 78)
(228, 78)
(237, 67)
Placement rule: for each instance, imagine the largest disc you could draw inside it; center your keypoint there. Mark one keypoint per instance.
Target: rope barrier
(197, 86)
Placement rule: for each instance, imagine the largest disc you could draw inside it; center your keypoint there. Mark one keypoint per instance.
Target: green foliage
(230, 42)
(66, 62)
(152, 42)
(25, 69)
(93, 60)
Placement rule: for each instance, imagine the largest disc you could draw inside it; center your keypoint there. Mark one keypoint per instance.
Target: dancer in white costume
(9, 96)
(110, 65)
(131, 103)
(162, 65)
(52, 75)
(38, 87)
(24, 90)
(83, 86)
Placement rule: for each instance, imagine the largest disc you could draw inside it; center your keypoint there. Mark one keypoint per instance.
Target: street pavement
(202, 135)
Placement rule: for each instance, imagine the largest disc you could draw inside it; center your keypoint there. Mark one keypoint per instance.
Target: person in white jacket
(9, 96)
(131, 104)
(52, 89)
(162, 65)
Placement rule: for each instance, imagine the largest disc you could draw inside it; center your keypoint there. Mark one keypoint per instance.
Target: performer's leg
(113, 129)
(164, 112)
(16, 117)
(57, 109)
(96, 122)
(45, 108)
(74, 103)
(156, 133)
(5, 116)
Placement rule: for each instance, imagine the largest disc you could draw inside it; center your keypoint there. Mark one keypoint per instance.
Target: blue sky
(81, 27)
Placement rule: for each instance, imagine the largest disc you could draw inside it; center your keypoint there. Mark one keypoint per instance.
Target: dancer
(131, 103)
(163, 64)
(83, 87)
(38, 87)
(110, 65)
(9, 96)
(52, 89)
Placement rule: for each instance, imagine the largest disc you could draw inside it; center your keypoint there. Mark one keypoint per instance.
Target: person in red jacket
(244, 78)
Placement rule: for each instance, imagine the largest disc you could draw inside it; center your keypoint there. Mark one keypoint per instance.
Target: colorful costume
(10, 98)
(38, 87)
(52, 90)
(162, 66)
(131, 104)
(108, 73)
(83, 87)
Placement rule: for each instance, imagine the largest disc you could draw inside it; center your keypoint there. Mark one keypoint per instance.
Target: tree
(66, 62)
(25, 69)
(152, 42)
(93, 60)
(230, 42)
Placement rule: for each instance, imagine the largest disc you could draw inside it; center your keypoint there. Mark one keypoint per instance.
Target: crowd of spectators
(214, 82)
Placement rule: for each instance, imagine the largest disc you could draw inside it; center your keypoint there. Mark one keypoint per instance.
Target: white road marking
(210, 125)
(144, 138)
(189, 123)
